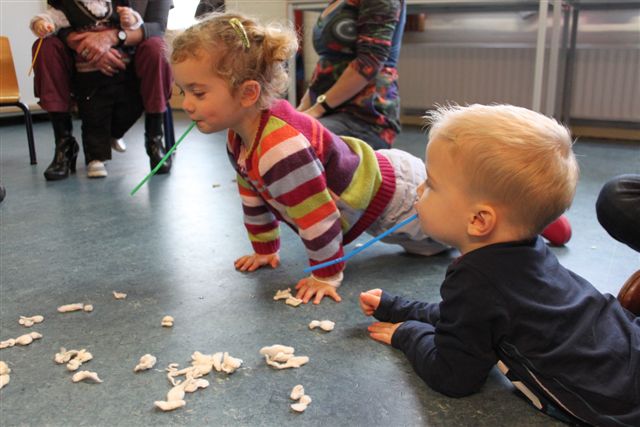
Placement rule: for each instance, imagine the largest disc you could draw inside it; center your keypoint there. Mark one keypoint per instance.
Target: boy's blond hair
(263, 60)
(512, 156)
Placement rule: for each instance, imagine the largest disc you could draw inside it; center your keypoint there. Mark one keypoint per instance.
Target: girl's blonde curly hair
(219, 37)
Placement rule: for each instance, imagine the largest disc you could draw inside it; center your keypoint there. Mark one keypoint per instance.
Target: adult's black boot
(66, 152)
(153, 142)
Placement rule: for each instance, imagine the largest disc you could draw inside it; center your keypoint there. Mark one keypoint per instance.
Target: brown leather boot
(629, 295)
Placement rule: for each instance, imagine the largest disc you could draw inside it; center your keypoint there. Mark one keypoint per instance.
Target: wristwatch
(122, 37)
(322, 100)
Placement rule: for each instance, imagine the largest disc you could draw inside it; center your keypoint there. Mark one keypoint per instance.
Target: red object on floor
(629, 295)
(558, 232)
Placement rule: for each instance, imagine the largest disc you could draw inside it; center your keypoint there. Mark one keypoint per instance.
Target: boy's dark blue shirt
(513, 302)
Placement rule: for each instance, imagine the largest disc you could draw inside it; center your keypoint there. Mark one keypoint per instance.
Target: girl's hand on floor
(255, 261)
(309, 286)
(370, 300)
(383, 331)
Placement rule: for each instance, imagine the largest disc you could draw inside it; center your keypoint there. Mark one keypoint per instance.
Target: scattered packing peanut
(28, 322)
(167, 321)
(293, 362)
(282, 357)
(283, 294)
(175, 398)
(73, 358)
(7, 343)
(75, 307)
(193, 384)
(325, 325)
(273, 350)
(119, 295)
(297, 392)
(64, 356)
(286, 295)
(70, 307)
(302, 404)
(230, 364)
(303, 400)
(85, 375)
(81, 357)
(27, 339)
(170, 405)
(298, 407)
(201, 365)
(292, 301)
(4, 374)
(146, 362)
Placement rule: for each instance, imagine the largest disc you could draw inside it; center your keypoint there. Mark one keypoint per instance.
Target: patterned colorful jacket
(365, 35)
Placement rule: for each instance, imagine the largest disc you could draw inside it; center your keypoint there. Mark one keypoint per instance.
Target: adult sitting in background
(618, 211)
(54, 70)
(207, 6)
(354, 89)
(108, 105)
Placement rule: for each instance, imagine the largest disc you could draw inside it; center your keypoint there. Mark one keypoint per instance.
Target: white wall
(15, 16)
(14, 23)
(266, 10)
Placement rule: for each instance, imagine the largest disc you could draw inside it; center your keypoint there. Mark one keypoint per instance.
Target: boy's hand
(370, 300)
(255, 261)
(383, 331)
(43, 28)
(127, 18)
(309, 286)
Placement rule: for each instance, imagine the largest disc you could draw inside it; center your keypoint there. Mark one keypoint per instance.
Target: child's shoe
(96, 169)
(558, 232)
(118, 145)
(629, 295)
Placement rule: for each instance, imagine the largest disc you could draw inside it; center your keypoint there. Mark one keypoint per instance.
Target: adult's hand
(316, 111)
(110, 63)
(91, 45)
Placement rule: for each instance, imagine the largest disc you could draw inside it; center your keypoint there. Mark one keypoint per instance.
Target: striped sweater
(328, 189)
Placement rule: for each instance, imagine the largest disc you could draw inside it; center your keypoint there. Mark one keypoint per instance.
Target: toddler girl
(290, 168)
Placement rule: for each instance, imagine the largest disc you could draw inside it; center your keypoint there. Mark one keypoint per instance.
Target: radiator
(606, 83)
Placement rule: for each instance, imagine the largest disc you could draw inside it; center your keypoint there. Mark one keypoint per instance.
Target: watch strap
(326, 107)
(323, 102)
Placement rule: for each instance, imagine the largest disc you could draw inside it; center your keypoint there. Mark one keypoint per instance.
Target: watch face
(122, 36)
(321, 98)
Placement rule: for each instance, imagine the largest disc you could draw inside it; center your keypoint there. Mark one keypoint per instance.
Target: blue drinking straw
(164, 159)
(363, 247)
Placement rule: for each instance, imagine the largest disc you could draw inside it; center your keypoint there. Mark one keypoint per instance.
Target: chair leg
(169, 135)
(29, 124)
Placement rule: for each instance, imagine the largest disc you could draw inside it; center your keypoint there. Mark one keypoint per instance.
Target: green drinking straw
(164, 159)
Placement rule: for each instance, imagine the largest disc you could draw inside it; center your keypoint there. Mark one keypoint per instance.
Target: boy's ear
(482, 221)
(249, 93)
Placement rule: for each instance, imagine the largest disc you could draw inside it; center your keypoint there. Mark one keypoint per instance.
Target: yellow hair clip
(239, 28)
